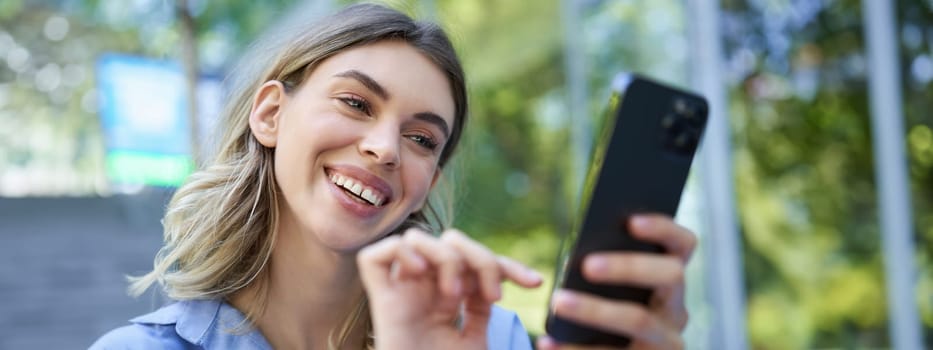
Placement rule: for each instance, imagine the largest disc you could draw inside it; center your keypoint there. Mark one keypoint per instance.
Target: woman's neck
(310, 292)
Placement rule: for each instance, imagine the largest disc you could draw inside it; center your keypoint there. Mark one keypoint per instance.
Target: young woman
(309, 230)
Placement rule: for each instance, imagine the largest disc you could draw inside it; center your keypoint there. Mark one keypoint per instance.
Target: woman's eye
(357, 104)
(424, 141)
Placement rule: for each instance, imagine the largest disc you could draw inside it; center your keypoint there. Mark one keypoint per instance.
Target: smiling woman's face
(357, 144)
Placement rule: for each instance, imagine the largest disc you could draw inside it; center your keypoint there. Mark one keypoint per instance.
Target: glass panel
(804, 174)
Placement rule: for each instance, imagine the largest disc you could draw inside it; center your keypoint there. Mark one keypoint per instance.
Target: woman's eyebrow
(366, 80)
(434, 119)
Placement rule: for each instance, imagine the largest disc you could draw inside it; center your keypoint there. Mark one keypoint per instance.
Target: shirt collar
(212, 324)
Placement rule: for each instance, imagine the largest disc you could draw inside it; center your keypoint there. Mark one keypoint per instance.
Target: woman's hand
(656, 326)
(427, 292)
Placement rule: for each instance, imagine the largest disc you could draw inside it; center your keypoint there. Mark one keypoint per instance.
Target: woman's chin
(346, 242)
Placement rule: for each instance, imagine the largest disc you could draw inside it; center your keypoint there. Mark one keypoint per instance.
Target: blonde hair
(220, 225)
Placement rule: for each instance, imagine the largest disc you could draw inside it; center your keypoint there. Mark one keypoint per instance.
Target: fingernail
(596, 265)
(545, 342)
(564, 300)
(535, 275)
(640, 223)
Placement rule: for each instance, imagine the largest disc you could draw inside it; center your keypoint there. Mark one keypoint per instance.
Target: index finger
(519, 273)
(662, 229)
(375, 261)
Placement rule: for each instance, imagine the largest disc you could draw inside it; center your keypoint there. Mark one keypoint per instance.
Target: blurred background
(811, 196)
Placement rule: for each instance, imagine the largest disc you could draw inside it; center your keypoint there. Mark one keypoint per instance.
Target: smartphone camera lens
(682, 107)
(682, 126)
(669, 121)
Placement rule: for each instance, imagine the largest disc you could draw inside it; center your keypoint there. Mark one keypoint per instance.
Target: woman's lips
(357, 190)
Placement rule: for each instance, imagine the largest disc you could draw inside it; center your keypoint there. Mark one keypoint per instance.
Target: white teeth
(368, 194)
(372, 197)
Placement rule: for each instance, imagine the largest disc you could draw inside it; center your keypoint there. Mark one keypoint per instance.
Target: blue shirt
(214, 324)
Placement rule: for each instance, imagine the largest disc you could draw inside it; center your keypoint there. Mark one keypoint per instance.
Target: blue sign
(144, 114)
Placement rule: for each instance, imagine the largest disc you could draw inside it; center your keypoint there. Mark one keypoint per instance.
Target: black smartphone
(639, 164)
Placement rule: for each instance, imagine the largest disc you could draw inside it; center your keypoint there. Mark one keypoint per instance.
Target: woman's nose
(381, 144)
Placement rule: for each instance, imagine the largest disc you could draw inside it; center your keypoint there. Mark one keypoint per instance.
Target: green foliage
(508, 181)
(804, 175)
(51, 139)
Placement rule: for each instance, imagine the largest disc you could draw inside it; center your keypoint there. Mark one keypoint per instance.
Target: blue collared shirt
(214, 324)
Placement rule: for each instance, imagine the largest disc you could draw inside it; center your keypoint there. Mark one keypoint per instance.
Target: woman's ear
(267, 107)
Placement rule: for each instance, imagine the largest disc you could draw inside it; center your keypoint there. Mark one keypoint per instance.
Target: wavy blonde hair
(220, 226)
